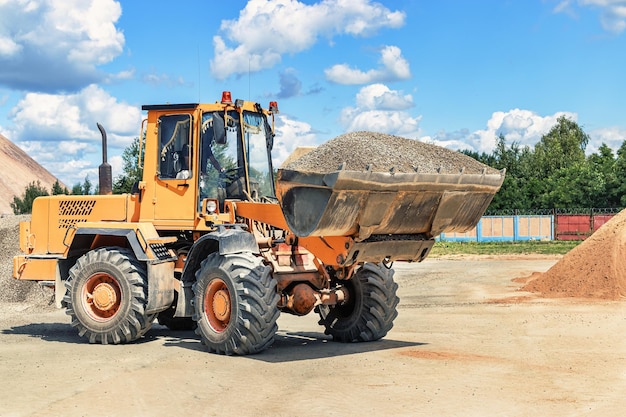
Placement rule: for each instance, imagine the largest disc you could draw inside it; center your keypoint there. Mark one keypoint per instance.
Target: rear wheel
(107, 296)
(370, 310)
(235, 303)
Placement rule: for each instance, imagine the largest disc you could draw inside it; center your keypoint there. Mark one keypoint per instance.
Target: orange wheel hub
(101, 296)
(217, 305)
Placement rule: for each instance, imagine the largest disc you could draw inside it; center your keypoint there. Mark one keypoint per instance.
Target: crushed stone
(11, 289)
(380, 152)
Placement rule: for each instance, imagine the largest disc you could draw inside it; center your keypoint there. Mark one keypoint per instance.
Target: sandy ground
(465, 343)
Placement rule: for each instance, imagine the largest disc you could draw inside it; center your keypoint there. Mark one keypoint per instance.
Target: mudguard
(225, 240)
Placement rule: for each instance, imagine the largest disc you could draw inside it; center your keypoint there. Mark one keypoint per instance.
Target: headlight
(211, 206)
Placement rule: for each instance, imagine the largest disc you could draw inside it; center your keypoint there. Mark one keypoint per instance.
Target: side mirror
(219, 130)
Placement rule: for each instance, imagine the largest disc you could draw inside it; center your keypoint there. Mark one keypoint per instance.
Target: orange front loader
(211, 240)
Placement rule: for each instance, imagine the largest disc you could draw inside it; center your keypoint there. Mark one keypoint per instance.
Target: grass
(503, 248)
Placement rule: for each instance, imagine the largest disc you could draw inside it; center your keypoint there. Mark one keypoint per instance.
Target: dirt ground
(466, 343)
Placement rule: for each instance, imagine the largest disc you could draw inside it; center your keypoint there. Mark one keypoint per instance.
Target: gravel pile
(12, 290)
(382, 153)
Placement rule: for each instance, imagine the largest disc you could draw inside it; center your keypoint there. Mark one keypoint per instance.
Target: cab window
(175, 146)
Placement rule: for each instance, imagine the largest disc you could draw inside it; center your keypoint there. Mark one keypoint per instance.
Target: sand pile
(594, 269)
(12, 290)
(382, 152)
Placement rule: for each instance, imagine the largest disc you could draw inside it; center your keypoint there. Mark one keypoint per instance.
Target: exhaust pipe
(105, 178)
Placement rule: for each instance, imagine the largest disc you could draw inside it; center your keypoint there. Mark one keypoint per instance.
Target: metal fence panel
(599, 219)
(506, 228)
(572, 226)
(562, 225)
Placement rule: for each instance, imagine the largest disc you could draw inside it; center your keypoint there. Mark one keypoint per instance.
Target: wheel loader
(213, 238)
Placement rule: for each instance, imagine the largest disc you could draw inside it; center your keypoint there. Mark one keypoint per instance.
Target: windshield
(257, 138)
(222, 165)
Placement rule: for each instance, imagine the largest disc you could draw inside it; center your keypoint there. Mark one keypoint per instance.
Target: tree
(556, 172)
(485, 158)
(574, 186)
(564, 145)
(604, 163)
(77, 189)
(507, 158)
(87, 186)
(24, 205)
(82, 189)
(58, 189)
(620, 174)
(516, 190)
(132, 171)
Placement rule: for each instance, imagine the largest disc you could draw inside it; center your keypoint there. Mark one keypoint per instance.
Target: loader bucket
(365, 203)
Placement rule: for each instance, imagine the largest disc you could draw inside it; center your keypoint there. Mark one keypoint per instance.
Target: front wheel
(106, 296)
(235, 303)
(370, 309)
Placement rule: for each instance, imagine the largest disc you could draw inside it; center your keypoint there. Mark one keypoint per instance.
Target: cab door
(174, 197)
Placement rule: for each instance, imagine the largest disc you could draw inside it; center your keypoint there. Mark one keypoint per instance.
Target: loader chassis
(204, 241)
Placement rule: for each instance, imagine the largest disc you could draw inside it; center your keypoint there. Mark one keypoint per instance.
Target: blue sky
(453, 73)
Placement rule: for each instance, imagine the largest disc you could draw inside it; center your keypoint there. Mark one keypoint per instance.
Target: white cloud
(71, 147)
(65, 160)
(290, 134)
(612, 12)
(380, 97)
(117, 165)
(122, 75)
(613, 137)
(267, 29)
(60, 131)
(164, 79)
(48, 45)
(524, 127)
(50, 117)
(8, 47)
(380, 109)
(394, 67)
(451, 140)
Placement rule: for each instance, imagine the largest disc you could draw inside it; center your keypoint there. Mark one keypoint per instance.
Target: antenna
(249, 93)
(198, 59)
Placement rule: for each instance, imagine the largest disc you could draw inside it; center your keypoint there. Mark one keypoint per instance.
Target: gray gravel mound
(12, 290)
(379, 152)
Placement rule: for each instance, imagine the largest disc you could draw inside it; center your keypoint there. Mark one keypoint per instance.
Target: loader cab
(235, 156)
(215, 151)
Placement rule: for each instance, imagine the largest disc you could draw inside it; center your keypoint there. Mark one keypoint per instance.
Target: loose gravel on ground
(12, 290)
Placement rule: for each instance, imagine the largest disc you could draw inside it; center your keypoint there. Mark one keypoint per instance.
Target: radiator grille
(74, 211)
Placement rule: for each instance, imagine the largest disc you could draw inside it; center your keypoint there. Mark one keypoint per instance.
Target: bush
(24, 205)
